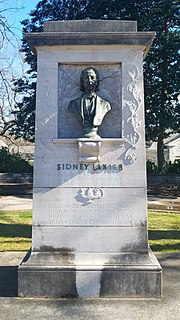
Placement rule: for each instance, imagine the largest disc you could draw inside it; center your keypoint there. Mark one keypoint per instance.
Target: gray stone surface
(114, 207)
(91, 32)
(60, 275)
(61, 283)
(90, 239)
(118, 158)
(90, 26)
(143, 39)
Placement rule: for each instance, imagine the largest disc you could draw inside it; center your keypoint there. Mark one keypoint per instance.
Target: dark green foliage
(10, 163)
(169, 167)
(173, 168)
(151, 167)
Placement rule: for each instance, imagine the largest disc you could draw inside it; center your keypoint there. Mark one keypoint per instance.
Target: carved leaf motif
(88, 195)
(131, 117)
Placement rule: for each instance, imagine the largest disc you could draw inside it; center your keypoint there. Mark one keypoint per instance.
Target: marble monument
(89, 233)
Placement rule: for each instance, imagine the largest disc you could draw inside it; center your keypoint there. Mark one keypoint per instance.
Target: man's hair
(83, 74)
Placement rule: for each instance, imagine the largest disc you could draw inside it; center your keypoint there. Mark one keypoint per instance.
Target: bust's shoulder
(73, 103)
(76, 99)
(104, 102)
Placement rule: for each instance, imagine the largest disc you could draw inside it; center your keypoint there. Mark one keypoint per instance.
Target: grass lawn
(15, 231)
(164, 231)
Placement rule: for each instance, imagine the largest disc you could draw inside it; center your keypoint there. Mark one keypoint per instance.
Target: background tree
(161, 65)
(162, 78)
(9, 58)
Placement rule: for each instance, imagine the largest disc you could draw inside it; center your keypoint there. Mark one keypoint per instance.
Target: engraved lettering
(89, 167)
(98, 213)
(97, 167)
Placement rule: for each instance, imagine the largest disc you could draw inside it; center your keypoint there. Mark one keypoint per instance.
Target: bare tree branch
(10, 61)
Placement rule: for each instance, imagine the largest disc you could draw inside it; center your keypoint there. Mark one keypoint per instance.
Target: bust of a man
(89, 108)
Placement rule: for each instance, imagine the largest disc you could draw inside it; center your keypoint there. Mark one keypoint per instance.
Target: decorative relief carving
(89, 150)
(131, 121)
(88, 195)
(69, 89)
(48, 155)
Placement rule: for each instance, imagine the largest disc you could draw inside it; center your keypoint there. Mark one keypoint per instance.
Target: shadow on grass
(15, 230)
(169, 235)
(9, 281)
(164, 234)
(165, 247)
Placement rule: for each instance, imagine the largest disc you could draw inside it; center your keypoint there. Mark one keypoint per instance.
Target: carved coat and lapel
(101, 108)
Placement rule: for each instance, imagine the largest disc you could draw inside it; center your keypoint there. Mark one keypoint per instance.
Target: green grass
(15, 231)
(164, 231)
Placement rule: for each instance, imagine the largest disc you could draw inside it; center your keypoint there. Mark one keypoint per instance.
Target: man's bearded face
(89, 81)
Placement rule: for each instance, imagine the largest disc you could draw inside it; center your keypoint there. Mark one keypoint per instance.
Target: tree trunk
(160, 153)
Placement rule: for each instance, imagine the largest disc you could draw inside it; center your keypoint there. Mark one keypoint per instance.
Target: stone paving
(162, 203)
(19, 202)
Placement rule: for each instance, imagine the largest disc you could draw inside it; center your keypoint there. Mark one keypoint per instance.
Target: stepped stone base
(126, 276)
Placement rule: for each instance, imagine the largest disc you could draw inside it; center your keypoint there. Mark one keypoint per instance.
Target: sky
(15, 11)
(18, 10)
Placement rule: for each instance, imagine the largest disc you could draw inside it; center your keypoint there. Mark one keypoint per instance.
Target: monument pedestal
(89, 232)
(58, 275)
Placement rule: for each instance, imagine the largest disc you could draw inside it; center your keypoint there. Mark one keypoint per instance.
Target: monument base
(126, 275)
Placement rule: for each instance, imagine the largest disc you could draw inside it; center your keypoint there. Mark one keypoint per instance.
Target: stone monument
(89, 233)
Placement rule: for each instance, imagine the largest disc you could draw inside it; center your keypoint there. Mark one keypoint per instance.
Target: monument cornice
(37, 39)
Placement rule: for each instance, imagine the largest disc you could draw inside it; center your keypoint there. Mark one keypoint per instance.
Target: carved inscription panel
(89, 207)
(57, 165)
